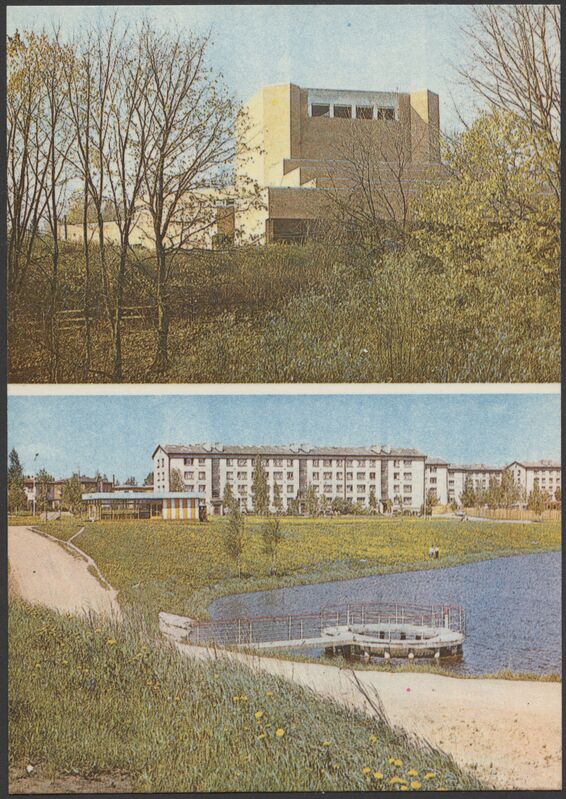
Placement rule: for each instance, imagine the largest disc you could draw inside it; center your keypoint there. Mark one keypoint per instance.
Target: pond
(512, 604)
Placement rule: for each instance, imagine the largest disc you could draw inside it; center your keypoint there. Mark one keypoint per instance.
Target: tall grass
(319, 313)
(92, 698)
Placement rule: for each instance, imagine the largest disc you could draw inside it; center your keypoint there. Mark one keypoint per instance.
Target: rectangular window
(407, 463)
(433, 480)
(278, 462)
(349, 462)
(349, 475)
(229, 475)
(187, 461)
(315, 462)
(407, 489)
(202, 475)
(189, 475)
(320, 110)
(396, 464)
(278, 475)
(327, 462)
(289, 475)
(364, 112)
(242, 489)
(407, 475)
(327, 476)
(202, 488)
(315, 476)
(289, 462)
(350, 489)
(339, 475)
(386, 113)
(328, 489)
(201, 461)
(190, 488)
(339, 462)
(372, 475)
(242, 462)
(432, 469)
(360, 475)
(361, 489)
(290, 489)
(343, 111)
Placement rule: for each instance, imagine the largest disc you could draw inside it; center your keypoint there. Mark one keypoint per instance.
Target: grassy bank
(88, 698)
(181, 567)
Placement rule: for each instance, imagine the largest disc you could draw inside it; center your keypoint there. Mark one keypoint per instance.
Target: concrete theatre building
(291, 149)
(300, 140)
(403, 476)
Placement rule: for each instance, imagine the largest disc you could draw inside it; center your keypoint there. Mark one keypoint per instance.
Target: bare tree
(124, 167)
(188, 145)
(370, 183)
(26, 169)
(515, 66)
(57, 140)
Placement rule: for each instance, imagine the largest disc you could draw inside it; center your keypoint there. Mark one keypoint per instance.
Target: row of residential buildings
(380, 476)
(404, 477)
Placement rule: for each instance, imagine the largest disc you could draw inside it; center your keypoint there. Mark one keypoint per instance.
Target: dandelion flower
(404, 788)
(262, 735)
(366, 770)
(373, 739)
(269, 693)
(378, 775)
(416, 785)
(236, 698)
(430, 775)
(280, 732)
(259, 714)
(413, 773)
(110, 642)
(326, 743)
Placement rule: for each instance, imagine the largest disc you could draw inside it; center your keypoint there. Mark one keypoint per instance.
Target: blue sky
(388, 48)
(117, 434)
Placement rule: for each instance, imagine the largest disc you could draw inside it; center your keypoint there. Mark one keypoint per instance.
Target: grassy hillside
(182, 566)
(314, 313)
(88, 698)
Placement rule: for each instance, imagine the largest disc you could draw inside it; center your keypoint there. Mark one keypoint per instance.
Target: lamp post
(34, 494)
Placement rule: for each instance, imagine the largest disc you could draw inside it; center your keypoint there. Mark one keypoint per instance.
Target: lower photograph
(291, 592)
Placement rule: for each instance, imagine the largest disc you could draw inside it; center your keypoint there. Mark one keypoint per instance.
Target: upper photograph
(283, 194)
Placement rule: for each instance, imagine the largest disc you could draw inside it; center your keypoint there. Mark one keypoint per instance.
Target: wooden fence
(517, 514)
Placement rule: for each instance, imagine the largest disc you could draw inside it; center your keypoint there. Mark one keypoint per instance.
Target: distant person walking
(431, 551)
(436, 552)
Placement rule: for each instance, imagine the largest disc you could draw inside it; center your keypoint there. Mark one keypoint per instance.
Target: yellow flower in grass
(397, 781)
(269, 693)
(413, 772)
(373, 739)
(280, 732)
(378, 775)
(259, 714)
(110, 642)
(366, 770)
(430, 775)
(416, 785)
(397, 762)
(262, 735)
(235, 698)
(404, 788)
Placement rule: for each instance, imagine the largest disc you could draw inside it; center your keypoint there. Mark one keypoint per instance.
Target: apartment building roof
(436, 461)
(132, 496)
(548, 464)
(475, 467)
(287, 450)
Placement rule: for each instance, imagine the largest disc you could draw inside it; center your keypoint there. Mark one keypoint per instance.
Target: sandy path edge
(44, 571)
(508, 731)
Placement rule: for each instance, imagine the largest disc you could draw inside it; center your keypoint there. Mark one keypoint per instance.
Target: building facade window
(364, 112)
(320, 110)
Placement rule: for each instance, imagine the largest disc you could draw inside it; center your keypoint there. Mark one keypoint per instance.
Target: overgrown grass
(181, 567)
(315, 313)
(93, 698)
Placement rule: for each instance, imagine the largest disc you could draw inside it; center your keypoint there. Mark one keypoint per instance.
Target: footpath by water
(513, 607)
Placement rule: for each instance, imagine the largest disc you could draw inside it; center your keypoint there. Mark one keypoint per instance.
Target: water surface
(513, 607)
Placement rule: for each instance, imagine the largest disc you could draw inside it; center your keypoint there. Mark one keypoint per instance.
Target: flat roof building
(297, 144)
(160, 505)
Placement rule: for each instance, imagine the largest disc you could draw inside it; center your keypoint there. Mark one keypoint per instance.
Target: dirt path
(43, 571)
(509, 731)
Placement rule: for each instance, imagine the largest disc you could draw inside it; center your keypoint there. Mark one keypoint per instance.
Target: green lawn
(181, 567)
(89, 698)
